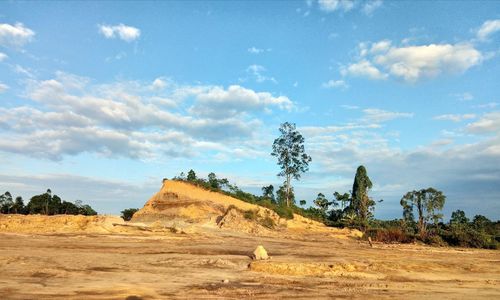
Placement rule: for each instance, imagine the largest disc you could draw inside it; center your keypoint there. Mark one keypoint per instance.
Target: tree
(213, 181)
(342, 198)
(322, 202)
(292, 158)
(428, 202)
(302, 202)
(361, 204)
(128, 213)
(191, 175)
(6, 202)
(268, 193)
(281, 195)
(18, 207)
(458, 218)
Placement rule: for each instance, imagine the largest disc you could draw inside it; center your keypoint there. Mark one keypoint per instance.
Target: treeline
(45, 204)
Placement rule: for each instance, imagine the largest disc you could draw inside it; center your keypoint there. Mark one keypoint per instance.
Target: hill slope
(181, 202)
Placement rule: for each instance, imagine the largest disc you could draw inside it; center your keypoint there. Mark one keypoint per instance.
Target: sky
(99, 101)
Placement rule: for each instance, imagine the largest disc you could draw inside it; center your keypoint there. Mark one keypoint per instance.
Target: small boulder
(260, 253)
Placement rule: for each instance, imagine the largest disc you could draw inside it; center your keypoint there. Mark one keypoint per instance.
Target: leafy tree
(213, 181)
(361, 204)
(480, 222)
(268, 193)
(458, 218)
(302, 202)
(281, 196)
(322, 202)
(427, 202)
(18, 207)
(191, 175)
(292, 158)
(128, 213)
(342, 198)
(6, 202)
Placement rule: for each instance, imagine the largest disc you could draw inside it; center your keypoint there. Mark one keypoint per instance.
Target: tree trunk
(288, 190)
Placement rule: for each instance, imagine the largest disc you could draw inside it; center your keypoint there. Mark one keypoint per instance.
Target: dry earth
(144, 264)
(206, 254)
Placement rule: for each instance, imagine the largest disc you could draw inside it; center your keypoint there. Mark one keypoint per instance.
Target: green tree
(427, 202)
(302, 202)
(361, 204)
(213, 181)
(191, 175)
(458, 218)
(281, 196)
(18, 207)
(128, 213)
(292, 158)
(322, 202)
(6, 203)
(268, 193)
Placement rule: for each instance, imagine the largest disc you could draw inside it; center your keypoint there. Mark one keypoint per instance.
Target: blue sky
(101, 100)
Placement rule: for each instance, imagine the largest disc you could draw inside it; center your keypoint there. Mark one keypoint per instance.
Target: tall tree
(361, 204)
(292, 158)
(6, 202)
(427, 202)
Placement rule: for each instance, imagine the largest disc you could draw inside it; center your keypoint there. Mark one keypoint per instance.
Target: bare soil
(217, 264)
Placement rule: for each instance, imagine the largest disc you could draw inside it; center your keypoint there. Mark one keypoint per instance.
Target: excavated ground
(142, 263)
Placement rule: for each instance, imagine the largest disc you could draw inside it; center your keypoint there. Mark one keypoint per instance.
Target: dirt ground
(216, 264)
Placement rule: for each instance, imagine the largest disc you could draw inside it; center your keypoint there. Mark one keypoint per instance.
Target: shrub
(284, 212)
(128, 213)
(267, 222)
(250, 214)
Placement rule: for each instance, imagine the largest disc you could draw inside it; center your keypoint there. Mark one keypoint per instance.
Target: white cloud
(15, 35)
(134, 119)
(487, 29)
(363, 68)
(335, 84)
(3, 87)
(333, 5)
(234, 100)
(455, 117)
(381, 46)
(412, 63)
(255, 50)
(379, 115)
(370, 6)
(464, 96)
(486, 105)
(346, 106)
(257, 71)
(488, 123)
(3, 56)
(124, 32)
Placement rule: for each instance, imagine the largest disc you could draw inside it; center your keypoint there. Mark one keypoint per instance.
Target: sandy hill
(183, 203)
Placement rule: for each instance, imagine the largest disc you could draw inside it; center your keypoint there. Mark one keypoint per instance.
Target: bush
(267, 222)
(128, 213)
(435, 240)
(284, 212)
(388, 235)
(250, 214)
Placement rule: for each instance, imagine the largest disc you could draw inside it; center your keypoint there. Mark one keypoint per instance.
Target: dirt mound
(59, 224)
(180, 203)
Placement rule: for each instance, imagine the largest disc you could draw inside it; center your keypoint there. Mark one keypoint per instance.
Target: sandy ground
(167, 265)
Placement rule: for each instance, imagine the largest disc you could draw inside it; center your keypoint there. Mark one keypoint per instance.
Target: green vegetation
(128, 213)
(45, 204)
